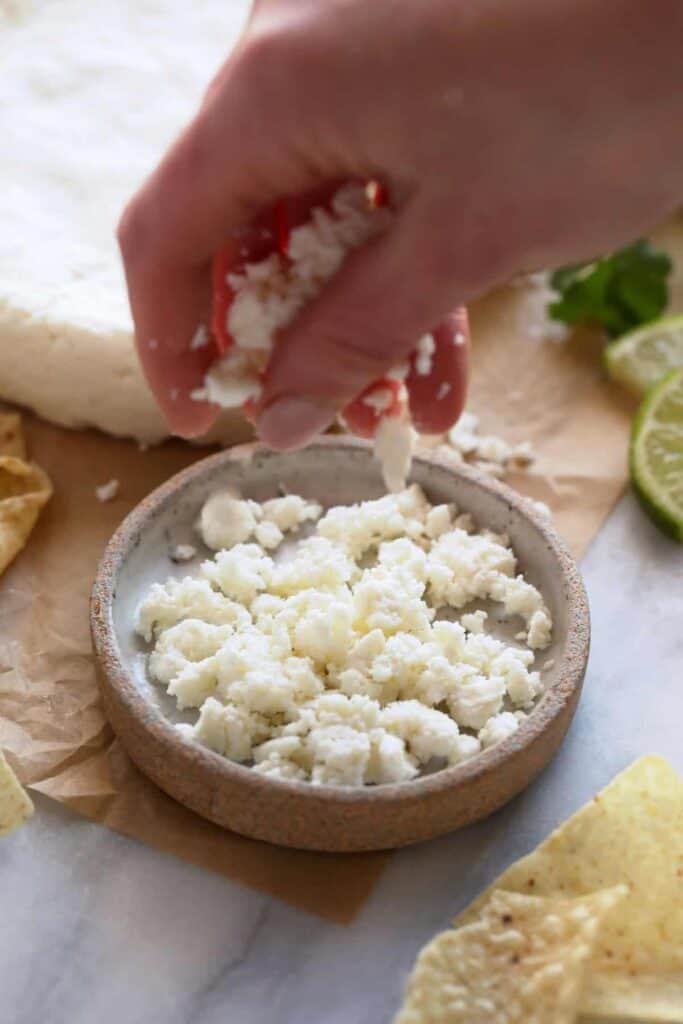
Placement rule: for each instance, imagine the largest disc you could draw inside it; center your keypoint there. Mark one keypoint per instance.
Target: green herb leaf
(619, 291)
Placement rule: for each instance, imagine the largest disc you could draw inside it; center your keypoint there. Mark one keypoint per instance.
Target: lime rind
(663, 503)
(642, 357)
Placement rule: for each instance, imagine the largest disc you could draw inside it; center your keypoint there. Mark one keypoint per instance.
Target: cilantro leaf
(619, 291)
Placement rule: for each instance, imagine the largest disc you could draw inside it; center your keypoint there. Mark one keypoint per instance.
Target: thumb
(367, 319)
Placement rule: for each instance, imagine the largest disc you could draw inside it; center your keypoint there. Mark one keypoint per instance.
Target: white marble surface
(96, 927)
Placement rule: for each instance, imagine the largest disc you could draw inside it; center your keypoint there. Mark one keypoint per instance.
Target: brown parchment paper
(51, 722)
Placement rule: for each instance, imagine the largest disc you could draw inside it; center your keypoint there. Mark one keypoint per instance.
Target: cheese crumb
(380, 399)
(394, 443)
(487, 452)
(226, 520)
(183, 553)
(498, 728)
(107, 492)
(426, 348)
(200, 338)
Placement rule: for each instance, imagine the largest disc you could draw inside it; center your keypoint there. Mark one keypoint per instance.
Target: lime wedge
(656, 454)
(642, 357)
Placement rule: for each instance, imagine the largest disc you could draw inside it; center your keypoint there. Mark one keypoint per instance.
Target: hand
(510, 136)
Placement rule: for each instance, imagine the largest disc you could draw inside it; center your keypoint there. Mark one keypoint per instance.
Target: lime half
(656, 454)
(642, 357)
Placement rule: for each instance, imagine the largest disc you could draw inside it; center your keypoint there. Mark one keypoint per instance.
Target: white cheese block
(92, 94)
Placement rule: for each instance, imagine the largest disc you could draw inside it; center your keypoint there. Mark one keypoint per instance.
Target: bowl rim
(216, 767)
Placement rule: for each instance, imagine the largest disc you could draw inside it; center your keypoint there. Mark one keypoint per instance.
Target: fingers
(367, 319)
(173, 376)
(221, 174)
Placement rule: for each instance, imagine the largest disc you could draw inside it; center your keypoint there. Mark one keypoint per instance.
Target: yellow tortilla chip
(521, 962)
(631, 833)
(15, 805)
(11, 436)
(24, 490)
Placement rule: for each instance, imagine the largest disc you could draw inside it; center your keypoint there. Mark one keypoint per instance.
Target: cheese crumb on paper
(107, 492)
(487, 452)
(338, 661)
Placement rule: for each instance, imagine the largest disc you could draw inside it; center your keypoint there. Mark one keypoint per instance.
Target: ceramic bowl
(333, 471)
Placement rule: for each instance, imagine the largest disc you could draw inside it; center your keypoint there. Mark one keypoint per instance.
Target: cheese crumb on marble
(107, 492)
(336, 661)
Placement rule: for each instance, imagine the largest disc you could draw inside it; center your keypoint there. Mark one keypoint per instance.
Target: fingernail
(290, 422)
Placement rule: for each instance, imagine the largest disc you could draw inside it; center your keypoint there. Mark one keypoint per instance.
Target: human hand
(508, 137)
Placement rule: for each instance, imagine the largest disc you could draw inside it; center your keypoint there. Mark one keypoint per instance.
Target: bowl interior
(332, 472)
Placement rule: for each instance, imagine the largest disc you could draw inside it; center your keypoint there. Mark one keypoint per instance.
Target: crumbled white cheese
(493, 449)
(522, 454)
(359, 528)
(200, 338)
(241, 572)
(226, 520)
(519, 597)
(424, 353)
(290, 511)
(315, 564)
(268, 534)
(268, 295)
(108, 491)
(399, 372)
(474, 622)
(182, 553)
(394, 443)
(498, 728)
(328, 664)
(541, 507)
(231, 382)
(487, 452)
(171, 602)
(379, 399)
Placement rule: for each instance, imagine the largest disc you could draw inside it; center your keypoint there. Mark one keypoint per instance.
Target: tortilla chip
(11, 436)
(24, 490)
(15, 805)
(630, 833)
(521, 962)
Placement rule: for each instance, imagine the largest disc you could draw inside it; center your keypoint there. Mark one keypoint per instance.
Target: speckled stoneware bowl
(333, 471)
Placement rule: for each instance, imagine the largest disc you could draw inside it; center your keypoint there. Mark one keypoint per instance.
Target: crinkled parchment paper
(51, 722)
